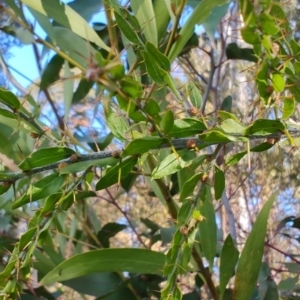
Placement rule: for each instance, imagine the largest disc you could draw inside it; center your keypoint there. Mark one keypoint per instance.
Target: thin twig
(282, 252)
(177, 144)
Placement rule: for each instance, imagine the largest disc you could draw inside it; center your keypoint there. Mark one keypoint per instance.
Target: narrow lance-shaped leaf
(198, 16)
(219, 183)
(251, 256)
(45, 156)
(228, 260)
(117, 172)
(208, 227)
(107, 260)
(69, 18)
(143, 10)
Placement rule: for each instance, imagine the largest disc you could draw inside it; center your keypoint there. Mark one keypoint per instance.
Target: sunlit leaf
(107, 260)
(144, 144)
(169, 165)
(67, 17)
(252, 253)
(143, 10)
(45, 156)
(208, 227)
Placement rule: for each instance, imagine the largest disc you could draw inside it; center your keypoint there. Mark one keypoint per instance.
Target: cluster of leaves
(133, 97)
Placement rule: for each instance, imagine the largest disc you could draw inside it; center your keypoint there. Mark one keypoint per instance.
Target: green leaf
(107, 231)
(224, 115)
(226, 106)
(7, 114)
(232, 126)
(268, 25)
(189, 186)
(92, 284)
(237, 157)
(214, 19)
(219, 183)
(218, 137)
(45, 187)
(113, 174)
(288, 107)
(265, 127)
(251, 37)
(67, 17)
(186, 127)
(143, 10)
(44, 23)
(195, 95)
(208, 227)
(228, 260)
(9, 98)
(169, 165)
(117, 125)
(167, 121)
(127, 30)
(128, 181)
(153, 68)
(131, 87)
(74, 46)
(129, 106)
(184, 214)
(144, 144)
(107, 260)
(24, 35)
(288, 284)
(278, 82)
(86, 8)
(82, 90)
(151, 107)
(198, 16)
(233, 51)
(51, 72)
(45, 157)
(159, 57)
(4, 187)
(252, 253)
(162, 17)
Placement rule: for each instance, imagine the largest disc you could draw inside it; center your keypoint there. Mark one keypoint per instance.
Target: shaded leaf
(233, 51)
(51, 72)
(107, 231)
(9, 98)
(195, 95)
(113, 174)
(43, 188)
(189, 186)
(82, 90)
(219, 183)
(228, 260)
